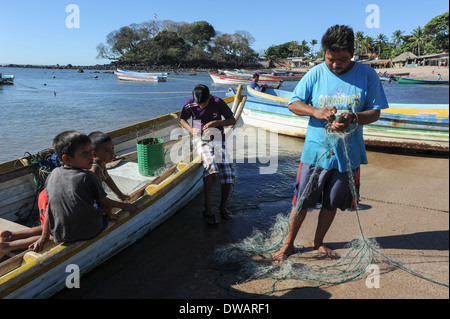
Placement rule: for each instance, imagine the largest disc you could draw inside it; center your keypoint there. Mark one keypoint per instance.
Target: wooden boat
(125, 75)
(274, 75)
(422, 127)
(232, 80)
(6, 79)
(403, 80)
(282, 76)
(40, 275)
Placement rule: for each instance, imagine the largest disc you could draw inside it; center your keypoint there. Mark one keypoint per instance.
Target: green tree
(359, 39)
(313, 43)
(438, 31)
(418, 38)
(380, 41)
(397, 37)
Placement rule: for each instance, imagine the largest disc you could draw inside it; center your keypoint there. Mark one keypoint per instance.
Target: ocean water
(172, 261)
(44, 102)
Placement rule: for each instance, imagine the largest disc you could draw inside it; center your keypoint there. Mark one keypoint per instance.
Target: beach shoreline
(420, 72)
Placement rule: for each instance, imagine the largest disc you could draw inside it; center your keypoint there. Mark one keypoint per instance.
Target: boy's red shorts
(42, 204)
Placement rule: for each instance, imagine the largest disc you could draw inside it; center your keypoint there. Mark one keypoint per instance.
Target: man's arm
(302, 109)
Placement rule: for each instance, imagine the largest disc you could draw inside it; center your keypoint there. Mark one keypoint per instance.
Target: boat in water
(27, 274)
(421, 127)
(404, 80)
(6, 79)
(126, 75)
(244, 79)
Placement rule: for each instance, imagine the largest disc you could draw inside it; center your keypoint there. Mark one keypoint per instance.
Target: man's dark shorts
(329, 187)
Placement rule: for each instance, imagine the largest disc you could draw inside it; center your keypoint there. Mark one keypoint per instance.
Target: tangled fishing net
(250, 259)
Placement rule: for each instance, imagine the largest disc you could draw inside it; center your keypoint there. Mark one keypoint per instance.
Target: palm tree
(418, 38)
(359, 37)
(313, 43)
(397, 37)
(367, 44)
(380, 40)
(304, 47)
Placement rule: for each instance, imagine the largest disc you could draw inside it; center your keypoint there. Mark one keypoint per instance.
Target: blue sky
(35, 31)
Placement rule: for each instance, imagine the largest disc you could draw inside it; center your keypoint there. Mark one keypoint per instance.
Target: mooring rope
(248, 256)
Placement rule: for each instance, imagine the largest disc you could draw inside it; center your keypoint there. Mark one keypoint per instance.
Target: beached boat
(403, 80)
(6, 79)
(409, 126)
(40, 275)
(126, 75)
(245, 80)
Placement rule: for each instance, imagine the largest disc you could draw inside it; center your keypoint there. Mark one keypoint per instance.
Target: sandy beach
(420, 72)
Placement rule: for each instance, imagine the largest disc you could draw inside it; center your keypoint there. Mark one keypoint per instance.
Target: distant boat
(403, 80)
(126, 75)
(411, 126)
(6, 79)
(274, 75)
(244, 79)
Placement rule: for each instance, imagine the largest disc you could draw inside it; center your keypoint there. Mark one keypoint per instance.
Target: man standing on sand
(339, 84)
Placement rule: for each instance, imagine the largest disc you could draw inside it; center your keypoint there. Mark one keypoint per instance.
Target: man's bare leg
(326, 218)
(208, 213)
(287, 249)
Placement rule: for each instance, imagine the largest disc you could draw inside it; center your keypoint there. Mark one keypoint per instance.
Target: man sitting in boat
(206, 112)
(261, 88)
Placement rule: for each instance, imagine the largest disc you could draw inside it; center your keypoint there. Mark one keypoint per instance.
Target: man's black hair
(338, 38)
(201, 93)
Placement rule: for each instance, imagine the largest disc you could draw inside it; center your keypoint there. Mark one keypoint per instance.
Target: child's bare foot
(283, 253)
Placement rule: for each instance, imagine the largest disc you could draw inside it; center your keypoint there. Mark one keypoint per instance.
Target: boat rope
(249, 257)
(404, 204)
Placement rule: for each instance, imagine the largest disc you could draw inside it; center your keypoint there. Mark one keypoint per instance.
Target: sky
(50, 32)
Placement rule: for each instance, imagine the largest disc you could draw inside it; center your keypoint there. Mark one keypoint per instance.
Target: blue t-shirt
(255, 86)
(360, 89)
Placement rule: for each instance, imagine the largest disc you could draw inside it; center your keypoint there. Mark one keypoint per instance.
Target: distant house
(440, 59)
(404, 59)
(378, 63)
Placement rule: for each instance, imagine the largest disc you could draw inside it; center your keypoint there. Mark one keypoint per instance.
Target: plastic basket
(150, 154)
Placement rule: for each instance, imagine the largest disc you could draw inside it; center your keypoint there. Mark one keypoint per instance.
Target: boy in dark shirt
(207, 111)
(72, 190)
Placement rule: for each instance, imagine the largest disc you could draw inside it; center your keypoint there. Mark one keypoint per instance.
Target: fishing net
(250, 259)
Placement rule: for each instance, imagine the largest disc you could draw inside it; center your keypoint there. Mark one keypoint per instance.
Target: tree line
(429, 39)
(181, 44)
(165, 42)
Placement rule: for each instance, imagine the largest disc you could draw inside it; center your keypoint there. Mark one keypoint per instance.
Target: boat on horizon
(421, 127)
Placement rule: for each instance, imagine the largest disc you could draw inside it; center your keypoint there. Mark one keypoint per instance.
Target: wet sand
(405, 204)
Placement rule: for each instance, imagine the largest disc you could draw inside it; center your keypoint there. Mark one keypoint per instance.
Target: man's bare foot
(283, 253)
(325, 251)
